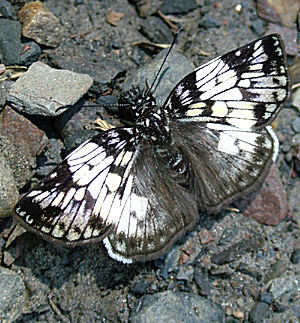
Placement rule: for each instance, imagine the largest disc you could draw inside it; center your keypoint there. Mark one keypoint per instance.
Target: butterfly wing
(243, 88)
(74, 204)
(156, 213)
(226, 162)
(221, 110)
(113, 187)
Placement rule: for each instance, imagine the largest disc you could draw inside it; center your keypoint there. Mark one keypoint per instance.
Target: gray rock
(284, 285)
(43, 90)
(177, 7)
(172, 259)
(296, 139)
(13, 295)
(207, 21)
(258, 26)
(81, 60)
(6, 9)
(260, 313)
(296, 125)
(203, 282)
(10, 33)
(155, 30)
(139, 288)
(12, 51)
(51, 156)
(185, 273)
(2, 98)
(168, 78)
(176, 307)
(252, 243)
(296, 256)
(294, 201)
(9, 194)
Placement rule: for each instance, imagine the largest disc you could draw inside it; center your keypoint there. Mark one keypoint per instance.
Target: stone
(207, 21)
(281, 12)
(295, 259)
(20, 142)
(176, 68)
(269, 204)
(260, 312)
(289, 36)
(9, 194)
(46, 91)
(6, 9)
(170, 7)
(13, 295)
(40, 24)
(250, 243)
(12, 50)
(155, 30)
(104, 71)
(176, 307)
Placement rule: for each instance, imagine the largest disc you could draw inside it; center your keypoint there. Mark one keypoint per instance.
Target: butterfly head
(136, 102)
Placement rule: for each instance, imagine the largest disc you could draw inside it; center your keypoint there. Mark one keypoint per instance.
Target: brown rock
(270, 203)
(238, 314)
(40, 24)
(288, 35)
(25, 141)
(113, 17)
(206, 236)
(283, 12)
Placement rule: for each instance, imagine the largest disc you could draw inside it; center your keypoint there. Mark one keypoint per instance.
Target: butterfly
(140, 187)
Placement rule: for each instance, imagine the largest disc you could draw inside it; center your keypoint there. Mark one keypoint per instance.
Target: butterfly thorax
(140, 110)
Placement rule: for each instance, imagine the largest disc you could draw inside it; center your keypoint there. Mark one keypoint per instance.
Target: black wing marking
(243, 88)
(78, 201)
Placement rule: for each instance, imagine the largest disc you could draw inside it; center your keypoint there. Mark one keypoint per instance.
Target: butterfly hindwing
(225, 161)
(75, 203)
(158, 211)
(243, 88)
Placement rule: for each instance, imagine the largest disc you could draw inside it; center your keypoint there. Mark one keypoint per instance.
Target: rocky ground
(233, 267)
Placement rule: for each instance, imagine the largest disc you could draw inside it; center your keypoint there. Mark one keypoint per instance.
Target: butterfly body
(142, 186)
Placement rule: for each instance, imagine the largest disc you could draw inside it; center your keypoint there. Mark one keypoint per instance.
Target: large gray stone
(13, 295)
(176, 307)
(42, 90)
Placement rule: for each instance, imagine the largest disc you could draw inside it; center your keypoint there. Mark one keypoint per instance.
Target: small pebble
(238, 314)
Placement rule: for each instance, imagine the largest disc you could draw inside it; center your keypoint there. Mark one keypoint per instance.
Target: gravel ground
(234, 266)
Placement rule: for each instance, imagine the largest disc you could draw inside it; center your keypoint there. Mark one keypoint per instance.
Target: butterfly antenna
(170, 48)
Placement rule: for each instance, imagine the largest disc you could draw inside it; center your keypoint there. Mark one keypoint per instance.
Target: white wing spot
(79, 194)
(244, 83)
(193, 112)
(113, 181)
(219, 109)
(58, 199)
(227, 145)
(229, 95)
(34, 193)
(53, 175)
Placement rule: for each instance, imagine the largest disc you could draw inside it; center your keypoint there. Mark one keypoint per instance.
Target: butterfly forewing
(76, 202)
(243, 88)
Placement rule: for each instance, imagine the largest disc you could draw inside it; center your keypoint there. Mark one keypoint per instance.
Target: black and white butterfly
(142, 186)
